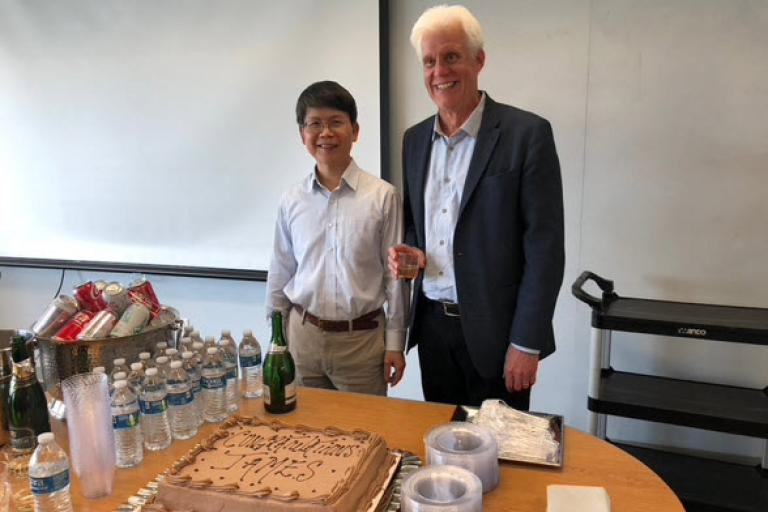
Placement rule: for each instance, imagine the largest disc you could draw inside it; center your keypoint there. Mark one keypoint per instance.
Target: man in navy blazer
(484, 217)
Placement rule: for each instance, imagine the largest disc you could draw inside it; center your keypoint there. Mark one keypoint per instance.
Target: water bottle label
(196, 387)
(179, 399)
(153, 406)
(49, 484)
(212, 382)
(249, 361)
(232, 373)
(123, 421)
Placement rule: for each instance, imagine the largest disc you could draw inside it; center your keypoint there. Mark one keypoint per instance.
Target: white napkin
(577, 498)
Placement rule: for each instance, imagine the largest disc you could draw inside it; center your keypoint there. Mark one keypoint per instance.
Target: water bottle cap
(247, 332)
(212, 350)
(136, 366)
(197, 345)
(209, 339)
(161, 344)
(162, 360)
(224, 342)
(175, 364)
(145, 355)
(187, 355)
(99, 369)
(120, 376)
(151, 371)
(171, 351)
(226, 332)
(120, 384)
(119, 361)
(45, 438)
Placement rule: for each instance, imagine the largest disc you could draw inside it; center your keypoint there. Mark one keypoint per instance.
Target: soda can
(99, 326)
(55, 316)
(116, 297)
(89, 297)
(166, 316)
(132, 321)
(74, 326)
(141, 291)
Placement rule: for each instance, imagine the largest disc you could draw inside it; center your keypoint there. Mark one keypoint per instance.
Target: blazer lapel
(487, 137)
(419, 167)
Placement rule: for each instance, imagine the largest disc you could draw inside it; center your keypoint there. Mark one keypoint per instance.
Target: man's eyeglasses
(318, 126)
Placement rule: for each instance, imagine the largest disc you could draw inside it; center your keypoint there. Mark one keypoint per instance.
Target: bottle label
(212, 382)
(232, 373)
(49, 484)
(22, 439)
(277, 349)
(179, 399)
(250, 361)
(153, 406)
(290, 392)
(196, 387)
(265, 396)
(123, 421)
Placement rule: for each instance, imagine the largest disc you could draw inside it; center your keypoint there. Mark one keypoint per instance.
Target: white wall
(660, 112)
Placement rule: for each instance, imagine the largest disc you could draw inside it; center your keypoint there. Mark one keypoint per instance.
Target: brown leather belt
(362, 323)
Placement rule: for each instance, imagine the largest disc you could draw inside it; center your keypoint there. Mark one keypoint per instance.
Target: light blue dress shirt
(330, 251)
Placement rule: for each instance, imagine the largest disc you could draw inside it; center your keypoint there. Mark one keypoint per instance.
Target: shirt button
(450, 148)
(442, 242)
(440, 273)
(445, 210)
(447, 180)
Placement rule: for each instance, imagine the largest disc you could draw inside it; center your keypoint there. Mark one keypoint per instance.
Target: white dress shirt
(330, 251)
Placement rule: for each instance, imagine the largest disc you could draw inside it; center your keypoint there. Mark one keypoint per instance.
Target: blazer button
(459, 254)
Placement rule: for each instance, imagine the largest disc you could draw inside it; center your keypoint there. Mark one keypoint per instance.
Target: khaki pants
(347, 361)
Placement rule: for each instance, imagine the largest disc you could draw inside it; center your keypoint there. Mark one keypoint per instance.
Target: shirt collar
(471, 126)
(350, 178)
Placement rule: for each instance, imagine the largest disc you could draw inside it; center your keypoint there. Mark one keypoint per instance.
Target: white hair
(442, 16)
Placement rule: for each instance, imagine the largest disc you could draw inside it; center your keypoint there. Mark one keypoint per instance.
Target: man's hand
(520, 370)
(394, 366)
(393, 259)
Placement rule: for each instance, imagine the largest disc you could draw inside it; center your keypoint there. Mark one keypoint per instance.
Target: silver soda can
(133, 320)
(99, 326)
(166, 316)
(117, 297)
(55, 316)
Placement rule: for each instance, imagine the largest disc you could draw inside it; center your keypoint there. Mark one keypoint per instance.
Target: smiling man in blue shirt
(328, 273)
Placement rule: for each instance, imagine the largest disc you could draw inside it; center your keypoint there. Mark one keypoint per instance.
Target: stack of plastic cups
(442, 489)
(466, 445)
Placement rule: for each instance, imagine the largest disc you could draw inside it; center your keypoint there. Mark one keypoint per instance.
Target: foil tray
(468, 413)
(391, 503)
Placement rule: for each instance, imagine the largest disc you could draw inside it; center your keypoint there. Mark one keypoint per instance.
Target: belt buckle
(450, 309)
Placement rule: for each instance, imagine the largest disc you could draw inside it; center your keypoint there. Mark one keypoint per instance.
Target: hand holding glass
(407, 265)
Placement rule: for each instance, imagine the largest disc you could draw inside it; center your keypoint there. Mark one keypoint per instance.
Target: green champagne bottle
(279, 372)
(27, 413)
(19, 348)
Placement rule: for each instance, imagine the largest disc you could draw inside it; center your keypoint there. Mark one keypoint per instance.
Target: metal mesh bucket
(60, 359)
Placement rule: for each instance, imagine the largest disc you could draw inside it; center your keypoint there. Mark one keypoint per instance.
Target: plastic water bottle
(129, 441)
(163, 366)
(229, 358)
(145, 358)
(99, 369)
(135, 377)
(189, 363)
(181, 406)
(197, 349)
(154, 412)
(185, 344)
(250, 365)
(213, 385)
(160, 347)
(209, 342)
(49, 476)
(118, 365)
(227, 335)
(172, 354)
(118, 376)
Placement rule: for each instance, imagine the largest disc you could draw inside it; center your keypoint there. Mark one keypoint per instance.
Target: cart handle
(606, 285)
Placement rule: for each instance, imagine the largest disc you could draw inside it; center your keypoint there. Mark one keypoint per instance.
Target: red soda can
(74, 326)
(99, 326)
(141, 291)
(89, 297)
(55, 316)
(116, 297)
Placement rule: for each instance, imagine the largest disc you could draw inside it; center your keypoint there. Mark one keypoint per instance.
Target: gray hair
(442, 16)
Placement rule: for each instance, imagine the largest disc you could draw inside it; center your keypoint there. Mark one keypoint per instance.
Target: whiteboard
(164, 132)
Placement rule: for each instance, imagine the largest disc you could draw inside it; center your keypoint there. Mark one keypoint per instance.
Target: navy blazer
(508, 244)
